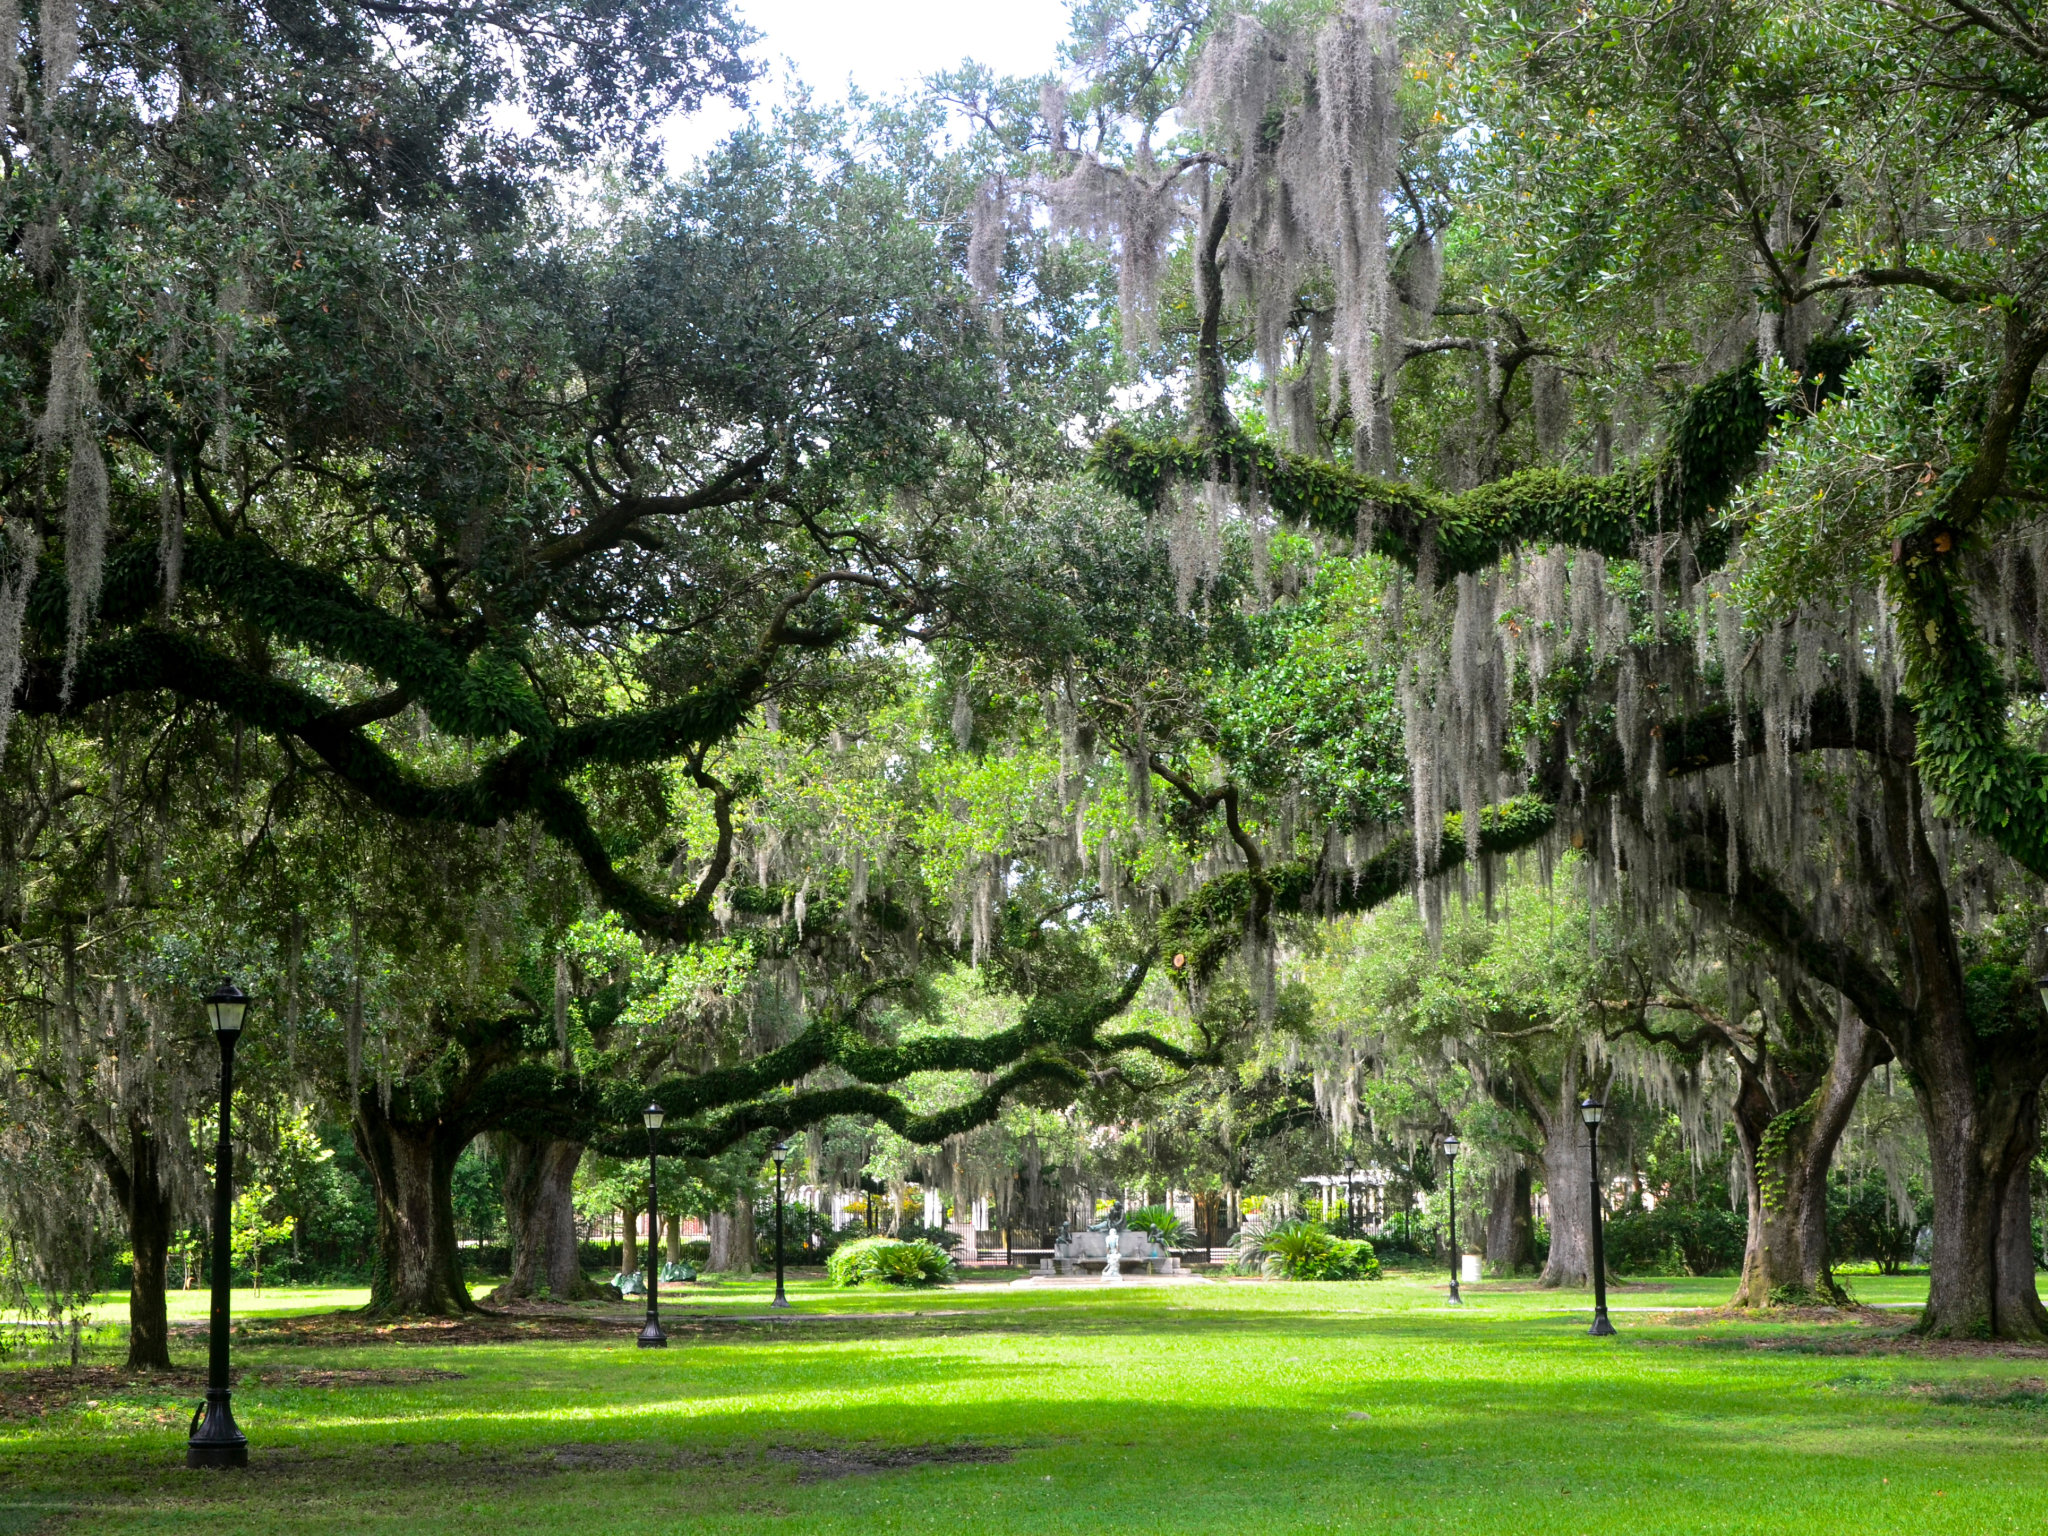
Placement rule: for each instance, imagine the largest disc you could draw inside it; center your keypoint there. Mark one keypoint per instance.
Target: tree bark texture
(1510, 1225)
(1979, 1093)
(412, 1167)
(1567, 1181)
(1787, 1150)
(719, 1229)
(137, 1177)
(1982, 1139)
(540, 1216)
(745, 1242)
(1212, 377)
(148, 1209)
(732, 1236)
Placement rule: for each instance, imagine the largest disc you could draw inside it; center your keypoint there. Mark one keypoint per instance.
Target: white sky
(882, 46)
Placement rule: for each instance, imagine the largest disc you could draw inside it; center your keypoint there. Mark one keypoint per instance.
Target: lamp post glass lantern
(651, 1336)
(781, 1151)
(1591, 1110)
(215, 1440)
(1451, 1157)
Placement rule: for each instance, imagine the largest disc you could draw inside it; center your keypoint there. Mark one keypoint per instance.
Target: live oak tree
(1665, 717)
(358, 444)
(490, 520)
(1936, 289)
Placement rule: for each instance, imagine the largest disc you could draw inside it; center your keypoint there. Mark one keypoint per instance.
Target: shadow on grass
(1299, 1417)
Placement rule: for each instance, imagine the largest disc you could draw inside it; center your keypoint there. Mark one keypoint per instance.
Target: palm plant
(1301, 1249)
(1164, 1224)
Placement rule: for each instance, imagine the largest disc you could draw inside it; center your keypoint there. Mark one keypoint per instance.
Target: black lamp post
(1350, 1197)
(214, 1440)
(651, 1336)
(781, 1151)
(1592, 1109)
(1451, 1156)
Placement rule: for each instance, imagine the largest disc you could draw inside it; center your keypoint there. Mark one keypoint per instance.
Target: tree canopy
(575, 633)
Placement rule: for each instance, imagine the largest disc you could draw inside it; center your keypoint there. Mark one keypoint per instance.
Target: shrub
(889, 1261)
(807, 1235)
(1163, 1224)
(1677, 1240)
(1303, 1250)
(913, 1231)
(1413, 1245)
(1864, 1222)
(1344, 1259)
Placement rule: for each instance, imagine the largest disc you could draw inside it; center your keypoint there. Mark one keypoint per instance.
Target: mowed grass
(1207, 1407)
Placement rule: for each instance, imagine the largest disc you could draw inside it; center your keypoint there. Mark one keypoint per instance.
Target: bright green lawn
(1221, 1407)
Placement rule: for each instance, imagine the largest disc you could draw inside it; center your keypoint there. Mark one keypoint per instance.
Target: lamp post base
(1601, 1328)
(217, 1442)
(651, 1337)
(1455, 1300)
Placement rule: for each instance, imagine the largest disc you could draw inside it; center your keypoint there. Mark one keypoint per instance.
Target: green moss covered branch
(1714, 440)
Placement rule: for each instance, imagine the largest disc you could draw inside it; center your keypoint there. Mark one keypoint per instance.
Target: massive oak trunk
(1982, 1138)
(1979, 1092)
(1567, 1179)
(412, 1169)
(1978, 1089)
(540, 1216)
(732, 1236)
(718, 1228)
(1788, 1138)
(1510, 1227)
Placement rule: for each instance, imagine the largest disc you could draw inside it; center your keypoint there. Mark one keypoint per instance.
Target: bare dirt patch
(33, 1391)
(352, 1329)
(819, 1463)
(532, 1324)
